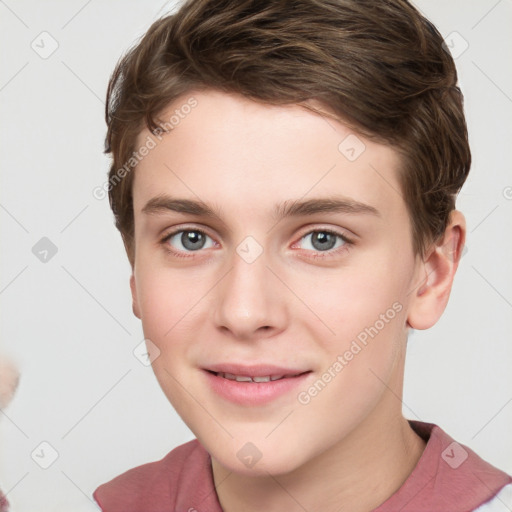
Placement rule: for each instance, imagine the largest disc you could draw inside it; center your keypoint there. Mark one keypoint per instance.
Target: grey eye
(189, 239)
(323, 240)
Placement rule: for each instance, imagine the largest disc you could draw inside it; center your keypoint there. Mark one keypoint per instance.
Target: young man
(284, 178)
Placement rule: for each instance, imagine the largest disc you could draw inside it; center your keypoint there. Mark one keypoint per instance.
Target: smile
(257, 390)
(245, 378)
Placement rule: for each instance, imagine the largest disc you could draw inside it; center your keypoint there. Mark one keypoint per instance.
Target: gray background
(67, 321)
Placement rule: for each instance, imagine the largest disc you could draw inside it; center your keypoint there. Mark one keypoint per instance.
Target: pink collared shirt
(449, 477)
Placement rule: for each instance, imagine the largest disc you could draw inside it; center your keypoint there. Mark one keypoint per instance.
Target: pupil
(325, 240)
(192, 239)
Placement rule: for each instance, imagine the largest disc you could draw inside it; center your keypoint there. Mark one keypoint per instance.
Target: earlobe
(436, 274)
(135, 302)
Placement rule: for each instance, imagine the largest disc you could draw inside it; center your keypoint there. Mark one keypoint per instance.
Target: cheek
(166, 303)
(360, 315)
(346, 301)
(367, 314)
(168, 318)
(164, 294)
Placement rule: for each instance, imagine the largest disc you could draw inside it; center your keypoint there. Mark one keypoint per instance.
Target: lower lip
(253, 393)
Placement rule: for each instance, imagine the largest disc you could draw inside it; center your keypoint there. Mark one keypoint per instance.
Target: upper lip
(254, 370)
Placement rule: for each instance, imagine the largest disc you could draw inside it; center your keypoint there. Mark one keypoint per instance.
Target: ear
(436, 273)
(135, 302)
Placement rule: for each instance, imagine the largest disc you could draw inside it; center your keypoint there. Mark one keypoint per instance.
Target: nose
(250, 300)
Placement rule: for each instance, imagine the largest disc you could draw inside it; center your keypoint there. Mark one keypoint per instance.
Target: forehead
(224, 149)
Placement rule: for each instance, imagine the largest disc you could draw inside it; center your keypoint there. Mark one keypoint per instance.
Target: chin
(258, 458)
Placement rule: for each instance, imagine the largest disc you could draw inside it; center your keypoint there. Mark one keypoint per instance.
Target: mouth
(257, 388)
(255, 378)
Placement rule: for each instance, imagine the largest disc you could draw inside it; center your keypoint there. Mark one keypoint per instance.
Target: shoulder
(155, 484)
(448, 476)
(462, 477)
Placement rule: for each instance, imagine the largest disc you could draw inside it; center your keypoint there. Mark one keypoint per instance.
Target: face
(250, 283)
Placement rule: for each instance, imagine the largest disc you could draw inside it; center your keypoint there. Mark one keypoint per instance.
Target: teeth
(245, 378)
(261, 379)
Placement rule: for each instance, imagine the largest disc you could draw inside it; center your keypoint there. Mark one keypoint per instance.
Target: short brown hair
(378, 66)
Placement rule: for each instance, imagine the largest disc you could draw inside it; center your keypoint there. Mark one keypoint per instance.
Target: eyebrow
(297, 208)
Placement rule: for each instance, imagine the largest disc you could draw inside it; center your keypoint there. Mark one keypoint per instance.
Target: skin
(349, 448)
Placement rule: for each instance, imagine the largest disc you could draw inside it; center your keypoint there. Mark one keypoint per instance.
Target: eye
(186, 240)
(183, 241)
(326, 241)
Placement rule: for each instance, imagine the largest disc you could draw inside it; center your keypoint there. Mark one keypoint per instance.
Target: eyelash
(168, 236)
(316, 255)
(347, 243)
